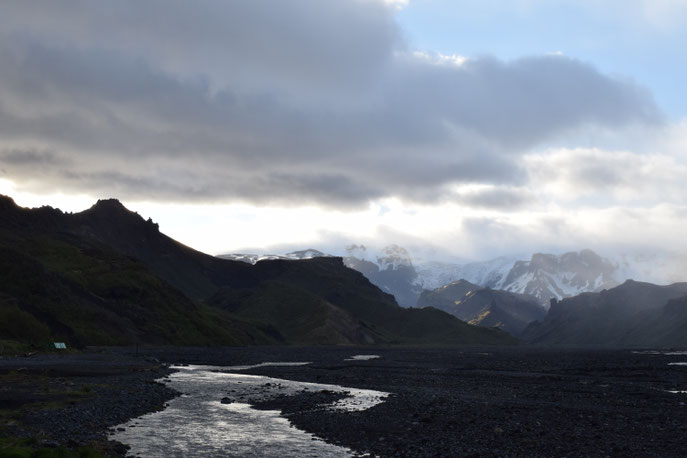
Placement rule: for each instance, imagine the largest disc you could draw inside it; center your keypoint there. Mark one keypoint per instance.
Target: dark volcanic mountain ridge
(107, 276)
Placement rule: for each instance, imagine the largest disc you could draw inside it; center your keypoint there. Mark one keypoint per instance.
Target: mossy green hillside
(52, 291)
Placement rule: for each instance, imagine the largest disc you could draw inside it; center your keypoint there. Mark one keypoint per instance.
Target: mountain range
(392, 270)
(543, 276)
(106, 276)
(573, 299)
(485, 307)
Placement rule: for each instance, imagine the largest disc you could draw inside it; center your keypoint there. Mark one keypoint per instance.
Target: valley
(343, 228)
(470, 369)
(487, 401)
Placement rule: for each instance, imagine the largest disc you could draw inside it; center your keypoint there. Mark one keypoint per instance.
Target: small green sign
(60, 345)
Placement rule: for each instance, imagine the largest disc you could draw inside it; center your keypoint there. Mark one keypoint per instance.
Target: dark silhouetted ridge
(114, 278)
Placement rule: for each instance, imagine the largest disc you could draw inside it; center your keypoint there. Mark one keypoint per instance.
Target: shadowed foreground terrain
(464, 401)
(484, 401)
(62, 405)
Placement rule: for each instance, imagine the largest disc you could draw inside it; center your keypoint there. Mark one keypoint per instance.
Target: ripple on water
(198, 423)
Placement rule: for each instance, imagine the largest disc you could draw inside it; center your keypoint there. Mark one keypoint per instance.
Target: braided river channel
(214, 417)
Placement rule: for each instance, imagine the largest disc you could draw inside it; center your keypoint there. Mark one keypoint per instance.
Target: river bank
(69, 401)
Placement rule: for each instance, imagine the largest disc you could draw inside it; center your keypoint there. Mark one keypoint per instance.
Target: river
(214, 416)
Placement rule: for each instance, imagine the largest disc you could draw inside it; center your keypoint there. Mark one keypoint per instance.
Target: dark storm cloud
(289, 102)
(30, 158)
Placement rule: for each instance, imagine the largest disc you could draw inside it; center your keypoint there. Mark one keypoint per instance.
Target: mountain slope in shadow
(634, 314)
(484, 307)
(107, 276)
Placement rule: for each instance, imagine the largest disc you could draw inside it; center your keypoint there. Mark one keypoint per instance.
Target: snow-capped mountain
(392, 271)
(547, 276)
(253, 258)
(544, 276)
(393, 257)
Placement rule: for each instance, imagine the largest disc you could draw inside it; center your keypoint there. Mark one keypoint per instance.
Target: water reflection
(362, 357)
(214, 417)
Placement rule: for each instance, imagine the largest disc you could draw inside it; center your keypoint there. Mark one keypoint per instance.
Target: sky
(467, 129)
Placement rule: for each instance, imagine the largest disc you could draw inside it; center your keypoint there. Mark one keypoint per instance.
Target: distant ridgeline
(589, 306)
(544, 276)
(392, 271)
(106, 276)
(487, 307)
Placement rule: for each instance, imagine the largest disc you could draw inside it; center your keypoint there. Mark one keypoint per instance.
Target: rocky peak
(393, 257)
(114, 212)
(546, 275)
(108, 205)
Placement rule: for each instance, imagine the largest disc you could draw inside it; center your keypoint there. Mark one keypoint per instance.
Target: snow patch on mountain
(393, 257)
(295, 255)
(392, 271)
(432, 275)
(548, 276)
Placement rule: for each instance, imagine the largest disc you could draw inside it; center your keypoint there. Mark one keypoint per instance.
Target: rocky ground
(490, 402)
(444, 402)
(67, 402)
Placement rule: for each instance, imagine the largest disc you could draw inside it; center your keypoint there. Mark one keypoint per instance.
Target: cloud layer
(291, 102)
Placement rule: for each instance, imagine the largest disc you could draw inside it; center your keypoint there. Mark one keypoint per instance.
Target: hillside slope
(634, 314)
(321, 287)
(152, 286)
(53, 291)
(484, 306)
(665, 329)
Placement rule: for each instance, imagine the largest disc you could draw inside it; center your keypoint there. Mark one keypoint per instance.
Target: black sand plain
(516, 401)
